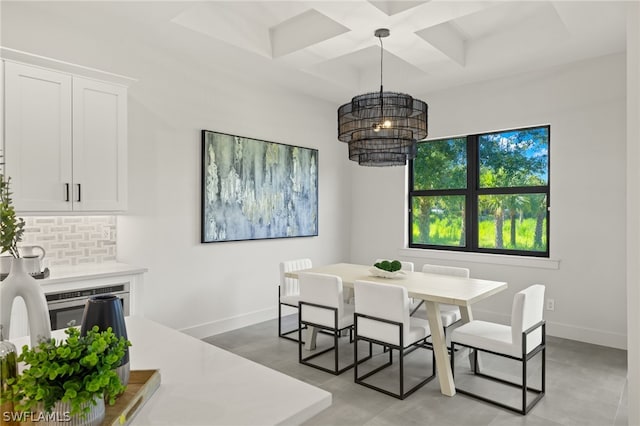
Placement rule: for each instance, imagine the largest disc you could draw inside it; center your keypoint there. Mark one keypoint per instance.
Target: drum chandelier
(381, 128)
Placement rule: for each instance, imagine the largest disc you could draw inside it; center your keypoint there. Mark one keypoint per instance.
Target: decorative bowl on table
(387, 269)
(377, 272)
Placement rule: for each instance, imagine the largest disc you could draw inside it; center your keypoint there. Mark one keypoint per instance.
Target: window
(485, 193)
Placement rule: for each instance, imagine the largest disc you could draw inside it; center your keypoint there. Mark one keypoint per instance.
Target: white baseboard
(227, 324)
(565, 331)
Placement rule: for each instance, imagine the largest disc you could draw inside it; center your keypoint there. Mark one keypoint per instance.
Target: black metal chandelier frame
(382, 128)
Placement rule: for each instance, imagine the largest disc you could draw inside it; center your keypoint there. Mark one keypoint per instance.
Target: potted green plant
(11, 227)
(77, 373)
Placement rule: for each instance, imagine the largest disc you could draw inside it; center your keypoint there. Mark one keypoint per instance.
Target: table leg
(348, 295)
(310, 338)
(447, 387)
(465, 313)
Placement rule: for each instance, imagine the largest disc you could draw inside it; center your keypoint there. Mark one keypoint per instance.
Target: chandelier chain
(381, 60)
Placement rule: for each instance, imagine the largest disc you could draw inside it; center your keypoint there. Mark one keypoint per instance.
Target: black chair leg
(523, 386)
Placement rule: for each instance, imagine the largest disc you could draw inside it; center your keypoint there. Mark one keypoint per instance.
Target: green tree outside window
(485, 192)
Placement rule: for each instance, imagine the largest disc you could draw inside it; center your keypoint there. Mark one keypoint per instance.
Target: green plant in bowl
(77, 371)
(389, 266)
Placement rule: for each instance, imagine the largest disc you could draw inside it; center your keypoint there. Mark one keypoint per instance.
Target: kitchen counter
(202, 384)
(64, 274)
(75, 278)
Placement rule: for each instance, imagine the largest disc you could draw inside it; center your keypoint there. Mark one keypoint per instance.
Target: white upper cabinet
(38, 137)
(65, 141)
(99, 146)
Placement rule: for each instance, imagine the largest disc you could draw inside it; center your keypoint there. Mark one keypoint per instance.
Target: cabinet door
(38, 137)
(99, 146)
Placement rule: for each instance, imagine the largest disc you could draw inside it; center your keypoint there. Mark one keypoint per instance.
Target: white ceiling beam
(446, 39)
(393, 7)
(301, 31)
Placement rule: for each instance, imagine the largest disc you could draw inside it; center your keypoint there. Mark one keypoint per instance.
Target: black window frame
(473, 192)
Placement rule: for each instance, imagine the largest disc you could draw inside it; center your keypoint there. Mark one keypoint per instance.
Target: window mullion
(437, 192)
(512, 190)
(472, 196)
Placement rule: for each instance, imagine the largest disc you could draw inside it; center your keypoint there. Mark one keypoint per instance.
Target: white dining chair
(521, 341)
(405, 266)
(409, 267)
(382, 318)
(322, 306)
(289, 291)
(450, 314)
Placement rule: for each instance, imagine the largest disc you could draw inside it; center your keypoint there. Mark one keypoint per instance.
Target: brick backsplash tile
(45, 237)
(43, 220)
(57, 246)
(72, 240)
(72, 219)
(59, 229)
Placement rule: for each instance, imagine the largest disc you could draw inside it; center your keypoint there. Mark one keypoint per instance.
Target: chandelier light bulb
(386, 124)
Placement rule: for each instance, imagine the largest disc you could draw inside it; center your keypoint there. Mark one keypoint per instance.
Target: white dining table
(433, 289)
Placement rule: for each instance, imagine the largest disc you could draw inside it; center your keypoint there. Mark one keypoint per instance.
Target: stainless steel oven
(66, 307)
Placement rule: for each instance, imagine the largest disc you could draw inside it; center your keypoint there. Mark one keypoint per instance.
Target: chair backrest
(527, 310)
(289, 286)
(406, 266)
(446, 270)
(386, 301)
(321, 289)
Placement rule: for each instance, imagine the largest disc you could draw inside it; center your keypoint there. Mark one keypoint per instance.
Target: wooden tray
(142, 384)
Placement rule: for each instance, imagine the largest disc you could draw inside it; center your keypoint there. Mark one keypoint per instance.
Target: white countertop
(202, 384)
(58, 274)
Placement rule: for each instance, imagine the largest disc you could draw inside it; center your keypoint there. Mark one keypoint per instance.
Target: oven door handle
(79, 301)
(69, 303)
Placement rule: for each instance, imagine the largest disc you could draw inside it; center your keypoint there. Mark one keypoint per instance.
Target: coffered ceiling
(327, 48)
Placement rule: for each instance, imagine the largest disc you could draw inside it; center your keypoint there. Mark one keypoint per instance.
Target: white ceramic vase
(20, 283)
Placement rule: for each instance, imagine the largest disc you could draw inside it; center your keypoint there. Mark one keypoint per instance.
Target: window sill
(495, 259)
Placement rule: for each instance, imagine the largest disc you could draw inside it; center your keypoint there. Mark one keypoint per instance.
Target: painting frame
(253, 189)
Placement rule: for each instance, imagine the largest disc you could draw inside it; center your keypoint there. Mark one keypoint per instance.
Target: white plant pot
(60, 415)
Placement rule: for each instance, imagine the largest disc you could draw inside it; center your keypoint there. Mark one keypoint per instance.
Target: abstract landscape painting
(253, 189)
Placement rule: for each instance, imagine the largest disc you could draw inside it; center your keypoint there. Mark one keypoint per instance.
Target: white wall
(585, 106)
(633, 211)
(200, 288)
(207, 288)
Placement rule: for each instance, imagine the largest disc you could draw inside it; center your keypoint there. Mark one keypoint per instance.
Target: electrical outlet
(106, 233)
(551, 305)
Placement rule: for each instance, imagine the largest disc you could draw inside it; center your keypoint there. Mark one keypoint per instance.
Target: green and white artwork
(253, 189)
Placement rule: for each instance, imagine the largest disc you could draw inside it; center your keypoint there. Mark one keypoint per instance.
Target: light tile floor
(586, 385)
